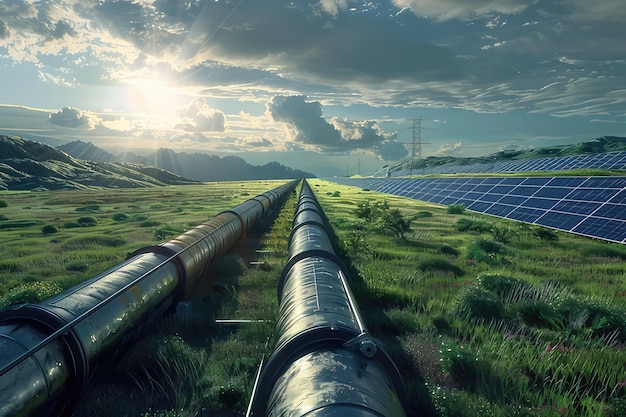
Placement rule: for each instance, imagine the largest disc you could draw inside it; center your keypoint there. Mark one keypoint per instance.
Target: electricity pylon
(417, 144)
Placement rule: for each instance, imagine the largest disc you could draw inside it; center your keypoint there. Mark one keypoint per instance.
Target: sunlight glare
(152, 97)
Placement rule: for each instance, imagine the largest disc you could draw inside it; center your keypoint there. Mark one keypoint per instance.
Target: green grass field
(481, 315)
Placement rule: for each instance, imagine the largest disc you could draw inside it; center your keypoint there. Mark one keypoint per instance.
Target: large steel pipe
(325, 363)
(50, 350)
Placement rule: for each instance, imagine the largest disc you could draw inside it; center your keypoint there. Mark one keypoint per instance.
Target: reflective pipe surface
(325, 363)
(50, 350)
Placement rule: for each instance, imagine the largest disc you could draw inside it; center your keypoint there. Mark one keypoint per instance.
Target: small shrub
(435, 263)
(87, 221)
(490, 246)
(3, 217)
(485, 250)
(545, 234)
(538, 314)
(449, 250)
(422, 215)
(118, 217)
(230, 396)
(478, 303)
(77, 266)
(456, 209)
(441, 323)
(149, 223)
(502, 234)
(403, 321)
(49, 229)
(599, 319)
(336, 194)
(461, 363)
(138, 217)
(465, 224)
(501, 285)
(71, 225)
(356, 245)
(3, 203)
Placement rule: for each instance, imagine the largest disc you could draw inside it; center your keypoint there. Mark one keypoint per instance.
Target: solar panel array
(609, 160)
(588, 206)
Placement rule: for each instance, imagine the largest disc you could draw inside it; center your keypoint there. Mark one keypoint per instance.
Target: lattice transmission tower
(417, 144)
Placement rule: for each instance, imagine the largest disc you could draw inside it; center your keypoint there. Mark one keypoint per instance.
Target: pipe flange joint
(364, 344)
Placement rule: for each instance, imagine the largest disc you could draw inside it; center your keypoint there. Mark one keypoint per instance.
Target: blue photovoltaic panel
(609, 160)
(589, 206)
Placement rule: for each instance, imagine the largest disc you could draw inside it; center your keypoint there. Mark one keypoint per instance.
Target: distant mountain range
(197, 166)
(27, 165)
(599, 145)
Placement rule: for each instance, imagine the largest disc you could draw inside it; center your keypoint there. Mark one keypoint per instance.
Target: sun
(152, 96)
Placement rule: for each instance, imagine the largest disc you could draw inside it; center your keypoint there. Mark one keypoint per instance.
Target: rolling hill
(28, 165)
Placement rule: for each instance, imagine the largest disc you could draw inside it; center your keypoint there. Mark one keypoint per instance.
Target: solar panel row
(588, 206)
(609, 160)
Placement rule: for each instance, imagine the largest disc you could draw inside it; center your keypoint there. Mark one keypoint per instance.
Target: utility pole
(417, 144)
(359, 167)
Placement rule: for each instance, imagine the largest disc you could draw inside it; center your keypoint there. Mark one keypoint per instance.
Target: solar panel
(588, 206)
(608, 160)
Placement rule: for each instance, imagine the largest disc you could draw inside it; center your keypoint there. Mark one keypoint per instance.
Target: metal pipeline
(51, 350)
(325, 363)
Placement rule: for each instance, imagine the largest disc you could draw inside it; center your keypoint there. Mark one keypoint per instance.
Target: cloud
(602, 12)
(449, 149)
(62, 28)
(254, 143)
(4, 30)
(74, 118)
(390, 150)
(333, 7)
(199, 117)
(306, 118)
(442, 10)
(339, 51)
(309, 127)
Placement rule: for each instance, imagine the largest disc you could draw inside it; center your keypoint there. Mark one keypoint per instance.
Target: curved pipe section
(50, 350)
(325, 363)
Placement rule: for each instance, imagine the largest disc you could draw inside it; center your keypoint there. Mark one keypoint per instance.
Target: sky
(327, 86)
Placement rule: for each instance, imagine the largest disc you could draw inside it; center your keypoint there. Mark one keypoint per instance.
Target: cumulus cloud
(74, 118)
(337, 135)
(463, 9)
(333, 7)
(449, 149)
(199, 117)
(306, 117)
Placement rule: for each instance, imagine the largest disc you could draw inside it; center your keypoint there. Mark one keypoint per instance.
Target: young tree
(394, 221)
